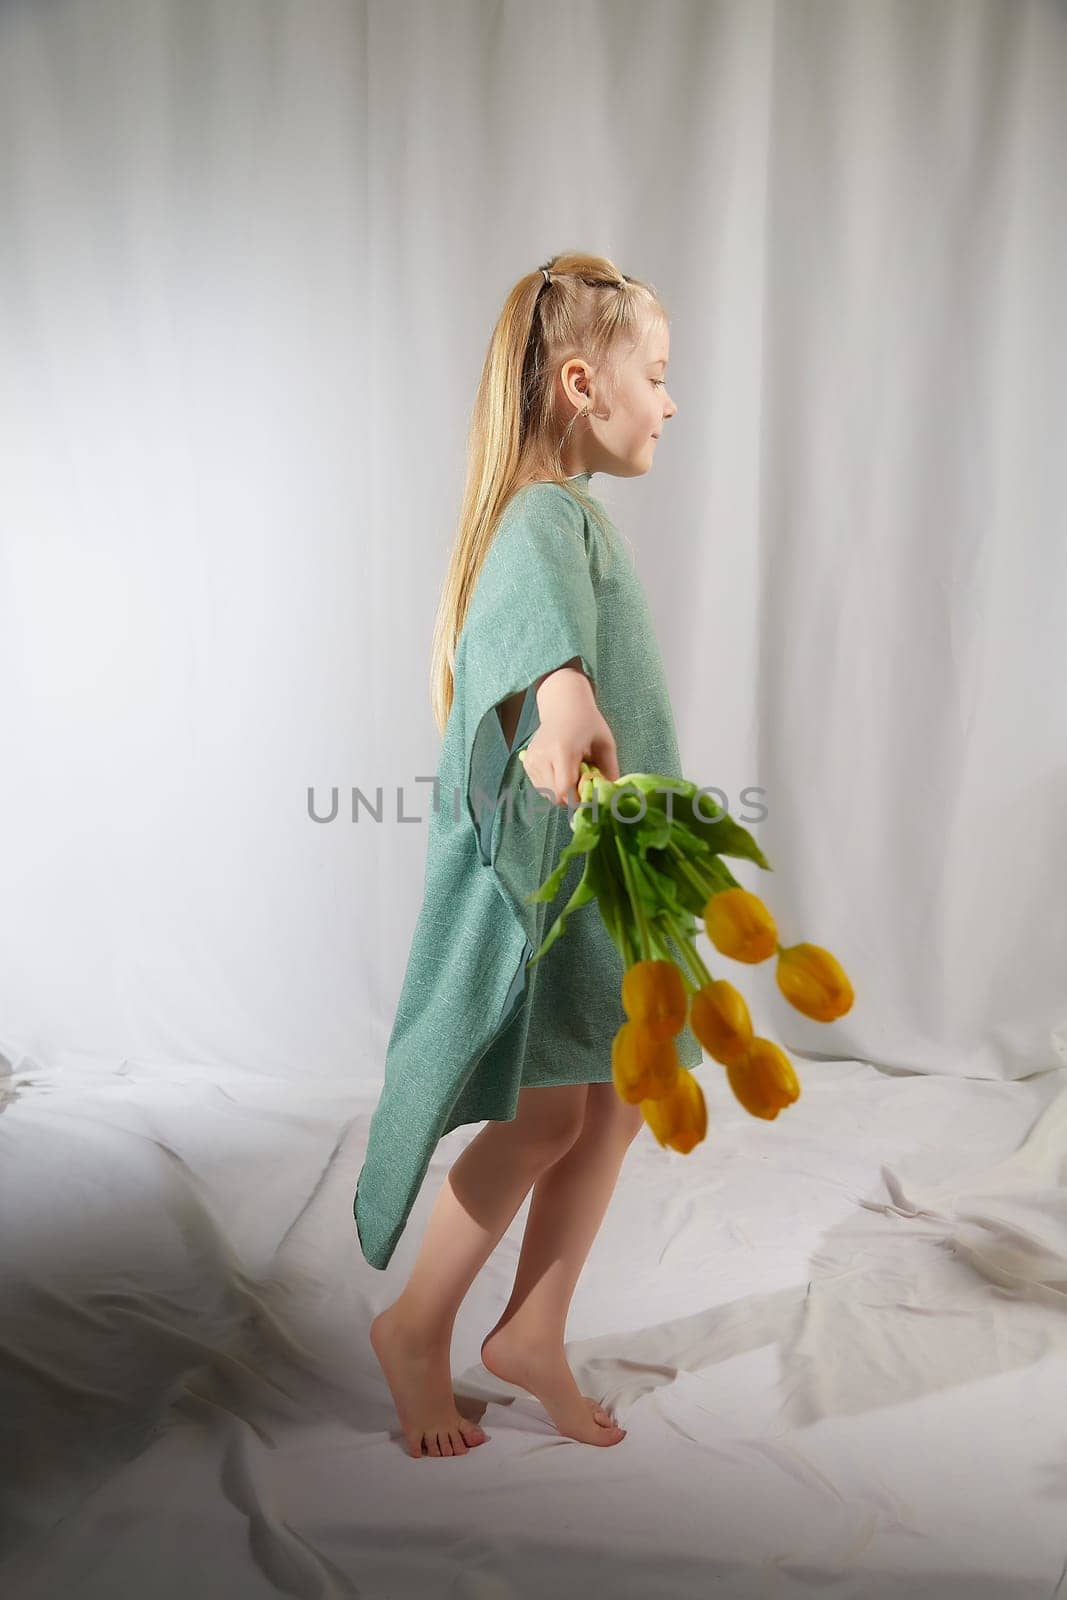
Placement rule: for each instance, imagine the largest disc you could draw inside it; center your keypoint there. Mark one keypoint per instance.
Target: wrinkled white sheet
(838, 1342)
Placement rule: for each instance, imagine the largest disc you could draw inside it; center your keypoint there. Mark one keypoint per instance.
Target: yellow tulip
(765, 1081)
(814, 982)
(740, 926)
(653, 993)
(719, 1017)
(643, 1065)
(679, 1120)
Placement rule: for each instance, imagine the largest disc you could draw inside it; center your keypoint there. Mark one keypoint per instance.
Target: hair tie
(620, 283)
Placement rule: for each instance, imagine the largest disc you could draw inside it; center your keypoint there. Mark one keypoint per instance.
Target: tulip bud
(764, 1082)
(679, 1120)
(740, 926)
(719, 1017)
(814, 982)
(653, 993)
(643, 1065)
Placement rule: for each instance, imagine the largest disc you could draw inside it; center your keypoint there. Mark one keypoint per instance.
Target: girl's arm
(511, 709)
(572, 730)
(575, 661)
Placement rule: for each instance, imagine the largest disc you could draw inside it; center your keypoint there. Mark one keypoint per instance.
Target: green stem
(686, 869)
(689, 953)
(631, 890)
(677, 932)
(677, 957)
(629, 949)
(669, 920)
(694, 954)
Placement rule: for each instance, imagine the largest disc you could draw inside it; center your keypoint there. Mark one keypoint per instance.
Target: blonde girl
(544, 645)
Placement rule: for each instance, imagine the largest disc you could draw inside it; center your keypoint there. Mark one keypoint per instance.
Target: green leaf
(649, 782)
(612, 900)
(725, 836)
(713, 872)
(691, 844)
(584, 836)
(583, 893)
(641, 833)
(659, 890)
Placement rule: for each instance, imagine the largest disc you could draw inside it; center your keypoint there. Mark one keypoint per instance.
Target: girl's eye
(659, 380)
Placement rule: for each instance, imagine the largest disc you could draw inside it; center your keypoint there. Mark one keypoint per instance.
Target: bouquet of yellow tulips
(653, 847)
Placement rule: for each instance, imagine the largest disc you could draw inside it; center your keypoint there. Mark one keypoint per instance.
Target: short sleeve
(534, 609)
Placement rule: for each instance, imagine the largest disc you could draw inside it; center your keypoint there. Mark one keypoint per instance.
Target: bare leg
(478, 1200)
(568, 1206)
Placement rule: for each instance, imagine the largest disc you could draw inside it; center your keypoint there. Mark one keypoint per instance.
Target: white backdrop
(250, 255)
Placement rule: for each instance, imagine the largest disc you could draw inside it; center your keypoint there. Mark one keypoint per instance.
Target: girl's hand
(572, 730)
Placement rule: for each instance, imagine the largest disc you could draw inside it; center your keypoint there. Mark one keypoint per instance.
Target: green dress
(472, 1025)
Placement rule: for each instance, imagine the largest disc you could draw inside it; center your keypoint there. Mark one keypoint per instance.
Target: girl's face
(624, 445)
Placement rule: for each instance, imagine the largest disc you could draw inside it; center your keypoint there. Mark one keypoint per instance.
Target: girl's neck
(570, 475)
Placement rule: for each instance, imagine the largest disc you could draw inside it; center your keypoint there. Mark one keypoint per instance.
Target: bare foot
(420, 1383)
(543, 1370)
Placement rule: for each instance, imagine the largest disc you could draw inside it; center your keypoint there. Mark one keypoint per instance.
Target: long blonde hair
(589, 310)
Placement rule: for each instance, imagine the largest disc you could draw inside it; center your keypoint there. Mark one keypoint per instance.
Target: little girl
(544, 644)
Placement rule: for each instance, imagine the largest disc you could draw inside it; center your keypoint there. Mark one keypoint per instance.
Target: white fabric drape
(242, 321)
(250, 255)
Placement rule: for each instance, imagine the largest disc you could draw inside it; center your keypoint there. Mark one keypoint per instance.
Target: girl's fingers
(561, 780)
(604, 756)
